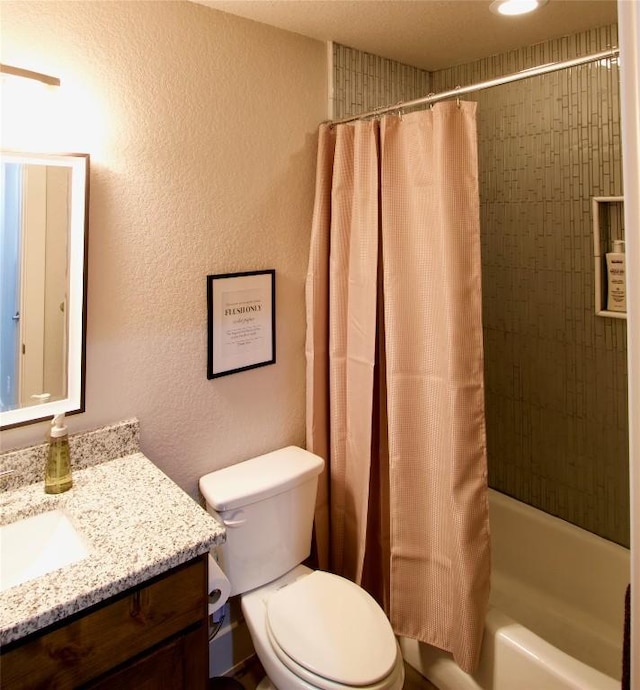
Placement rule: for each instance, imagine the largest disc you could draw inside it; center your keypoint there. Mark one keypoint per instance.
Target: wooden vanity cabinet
(152, 637)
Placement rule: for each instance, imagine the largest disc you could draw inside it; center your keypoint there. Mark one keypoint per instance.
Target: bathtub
(556, 609)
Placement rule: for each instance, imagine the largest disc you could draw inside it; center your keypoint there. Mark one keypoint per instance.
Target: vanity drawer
(123, 628)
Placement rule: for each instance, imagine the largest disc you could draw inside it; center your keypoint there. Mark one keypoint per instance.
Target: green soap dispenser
(57, 476)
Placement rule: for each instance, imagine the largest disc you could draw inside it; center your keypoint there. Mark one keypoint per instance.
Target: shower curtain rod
(480, 86)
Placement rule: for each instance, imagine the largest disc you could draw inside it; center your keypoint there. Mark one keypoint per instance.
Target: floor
(248, 677)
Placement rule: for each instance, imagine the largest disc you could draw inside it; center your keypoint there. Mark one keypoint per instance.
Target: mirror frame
(78, 244)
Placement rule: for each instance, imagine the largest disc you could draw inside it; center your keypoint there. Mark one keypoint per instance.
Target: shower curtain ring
(429, 95)
(458, 98)
(378, 112)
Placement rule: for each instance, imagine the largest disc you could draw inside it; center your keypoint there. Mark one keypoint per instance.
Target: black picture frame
(241, 332)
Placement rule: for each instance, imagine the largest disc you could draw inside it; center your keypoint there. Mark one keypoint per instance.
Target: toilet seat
(331, 633)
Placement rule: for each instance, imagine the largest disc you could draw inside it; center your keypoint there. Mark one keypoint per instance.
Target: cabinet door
(174, 666)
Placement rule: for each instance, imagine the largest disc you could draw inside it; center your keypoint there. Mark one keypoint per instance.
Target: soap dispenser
(616, 288)
(57, 476)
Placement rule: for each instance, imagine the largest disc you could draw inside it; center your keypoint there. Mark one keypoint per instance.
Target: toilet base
(266, 684)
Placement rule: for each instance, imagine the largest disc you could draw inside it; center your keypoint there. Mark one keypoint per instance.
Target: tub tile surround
(363, 81)
(118, 501)
(555, 373)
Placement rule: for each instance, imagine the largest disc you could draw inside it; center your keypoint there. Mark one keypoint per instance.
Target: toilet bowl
(311, 629)
(315, 630)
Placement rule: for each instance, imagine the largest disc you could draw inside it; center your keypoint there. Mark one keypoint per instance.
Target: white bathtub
(556, 610)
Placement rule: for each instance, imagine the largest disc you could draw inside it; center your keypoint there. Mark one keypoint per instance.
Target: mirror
(43, 235)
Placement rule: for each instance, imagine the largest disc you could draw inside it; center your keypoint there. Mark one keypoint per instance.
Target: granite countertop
(137, 523)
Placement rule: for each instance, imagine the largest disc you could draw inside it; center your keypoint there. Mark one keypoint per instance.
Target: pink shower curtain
(395, 396)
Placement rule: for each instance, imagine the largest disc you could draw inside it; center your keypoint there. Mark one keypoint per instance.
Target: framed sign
(242, 321)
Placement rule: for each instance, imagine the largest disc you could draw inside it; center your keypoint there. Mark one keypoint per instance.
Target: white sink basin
(38, 545)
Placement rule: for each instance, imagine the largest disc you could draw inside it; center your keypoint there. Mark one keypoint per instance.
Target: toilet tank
(267, 505)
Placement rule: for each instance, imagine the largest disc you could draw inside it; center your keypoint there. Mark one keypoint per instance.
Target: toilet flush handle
(234, 522)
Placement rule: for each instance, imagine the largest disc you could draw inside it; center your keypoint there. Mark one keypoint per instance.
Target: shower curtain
(395, 393)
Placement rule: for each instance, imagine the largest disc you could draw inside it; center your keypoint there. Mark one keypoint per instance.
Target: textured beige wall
(201, 129)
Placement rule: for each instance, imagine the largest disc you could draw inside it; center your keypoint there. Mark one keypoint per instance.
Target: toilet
(310, 629)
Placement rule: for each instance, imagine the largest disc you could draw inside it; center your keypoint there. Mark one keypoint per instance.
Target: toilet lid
(333, 628)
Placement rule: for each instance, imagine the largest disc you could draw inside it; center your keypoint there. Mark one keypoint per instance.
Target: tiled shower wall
(555, 373)
(362, 82)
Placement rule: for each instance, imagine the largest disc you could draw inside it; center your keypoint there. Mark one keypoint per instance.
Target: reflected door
(10, 224)
(34, 289)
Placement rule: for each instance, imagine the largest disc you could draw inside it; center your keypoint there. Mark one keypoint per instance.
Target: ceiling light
(515, 7)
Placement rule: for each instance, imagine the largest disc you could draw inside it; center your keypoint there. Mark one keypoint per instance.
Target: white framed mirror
(43, 235)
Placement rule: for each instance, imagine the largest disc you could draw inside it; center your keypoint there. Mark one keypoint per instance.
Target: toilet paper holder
(218, 586)
(218, 590)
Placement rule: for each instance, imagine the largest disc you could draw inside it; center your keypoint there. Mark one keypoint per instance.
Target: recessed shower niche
(608, 227)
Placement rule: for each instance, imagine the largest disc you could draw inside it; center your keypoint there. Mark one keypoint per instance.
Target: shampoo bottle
(616, 288)
(57, 476)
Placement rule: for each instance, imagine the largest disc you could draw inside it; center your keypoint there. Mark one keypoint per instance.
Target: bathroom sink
(38, 545)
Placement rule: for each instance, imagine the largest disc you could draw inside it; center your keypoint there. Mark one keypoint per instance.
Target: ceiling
(431, 34)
